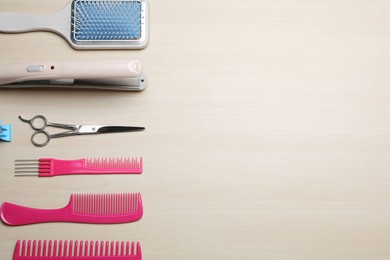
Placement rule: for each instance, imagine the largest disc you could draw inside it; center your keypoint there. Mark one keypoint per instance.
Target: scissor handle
(36, 141)
(36, 122)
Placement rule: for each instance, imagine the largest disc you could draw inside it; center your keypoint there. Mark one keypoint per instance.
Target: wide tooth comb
(82, 208)
(48, 167)
(76, 250)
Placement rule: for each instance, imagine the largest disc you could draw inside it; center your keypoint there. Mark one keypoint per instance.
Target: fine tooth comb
(89, 24)
(48, 167)
(76, 250)
(82, 208)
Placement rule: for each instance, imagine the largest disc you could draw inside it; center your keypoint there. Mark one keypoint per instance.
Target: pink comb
(48, 167)
(82, 208)
(76, 250)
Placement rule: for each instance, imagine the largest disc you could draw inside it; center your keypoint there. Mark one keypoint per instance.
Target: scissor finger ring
(37, 142)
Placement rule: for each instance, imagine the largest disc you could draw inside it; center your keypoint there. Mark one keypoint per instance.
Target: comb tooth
(134, 204)
(112, 247)
(107, 209)
(125, 203)
(122, 248)
(139, 251)
(96, 252)
(17, 249)
(127, 248)
(107, 251)
(44, 249)
(60, 248)
(75, 203)
(120, 204)
(86, 248)
(117, 248)
(117, 205)
(89, 203)
(23, 253)
(103, 205)
(81, 248)
(70, 248)
(89, 249)
(49, 248)
(101, 251)
(76, 248)
(131, 203)
(113, 205)
(132, 248)
(96, 199)
(85, 204)
(28, 248)
(39, 248)
(65, 248)
(55, 248)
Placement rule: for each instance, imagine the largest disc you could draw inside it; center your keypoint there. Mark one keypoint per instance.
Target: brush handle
(52, 167)
(15, 215)
(76, 69)
(19, 23)
(58, 22)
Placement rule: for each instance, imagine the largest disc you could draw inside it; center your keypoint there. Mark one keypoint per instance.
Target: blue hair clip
(5, 133)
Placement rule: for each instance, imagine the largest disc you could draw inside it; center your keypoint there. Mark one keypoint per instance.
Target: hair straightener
(96, 74)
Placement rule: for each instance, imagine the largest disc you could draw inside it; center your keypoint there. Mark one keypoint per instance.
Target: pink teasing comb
(82, 208)
(76, 250)
(48, 167)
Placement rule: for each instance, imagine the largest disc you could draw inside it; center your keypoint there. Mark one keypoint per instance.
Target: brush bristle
(35, 249)
(106, 204)
(106, 20)
(116, 163)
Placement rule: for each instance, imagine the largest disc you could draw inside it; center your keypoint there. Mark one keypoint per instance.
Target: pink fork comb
(82, 208)
(76, 250)
(48, 167)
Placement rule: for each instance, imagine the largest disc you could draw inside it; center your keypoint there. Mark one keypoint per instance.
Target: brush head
(69, 249)
(116, 22)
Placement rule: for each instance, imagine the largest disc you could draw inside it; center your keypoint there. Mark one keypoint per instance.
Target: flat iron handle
(82, 69)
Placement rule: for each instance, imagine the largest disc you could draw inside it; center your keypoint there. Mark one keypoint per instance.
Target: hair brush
(89, 24)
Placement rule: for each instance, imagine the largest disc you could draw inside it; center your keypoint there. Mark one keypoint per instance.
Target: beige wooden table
(267, 131)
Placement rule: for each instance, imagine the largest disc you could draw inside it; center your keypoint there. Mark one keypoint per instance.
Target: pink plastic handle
(15, 215)
(53, 167)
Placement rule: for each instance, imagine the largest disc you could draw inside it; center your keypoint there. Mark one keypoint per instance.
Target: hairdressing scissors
(39, 124)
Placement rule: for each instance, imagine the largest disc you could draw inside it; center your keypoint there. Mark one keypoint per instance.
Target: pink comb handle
(82, 208)
(51, 167)
(76, 250)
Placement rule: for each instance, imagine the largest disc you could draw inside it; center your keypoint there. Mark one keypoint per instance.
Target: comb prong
(17, 252)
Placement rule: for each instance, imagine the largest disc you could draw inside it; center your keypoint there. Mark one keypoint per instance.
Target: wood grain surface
(267, 131)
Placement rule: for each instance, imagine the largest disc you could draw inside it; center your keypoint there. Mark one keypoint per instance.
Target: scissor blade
(118, 129)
